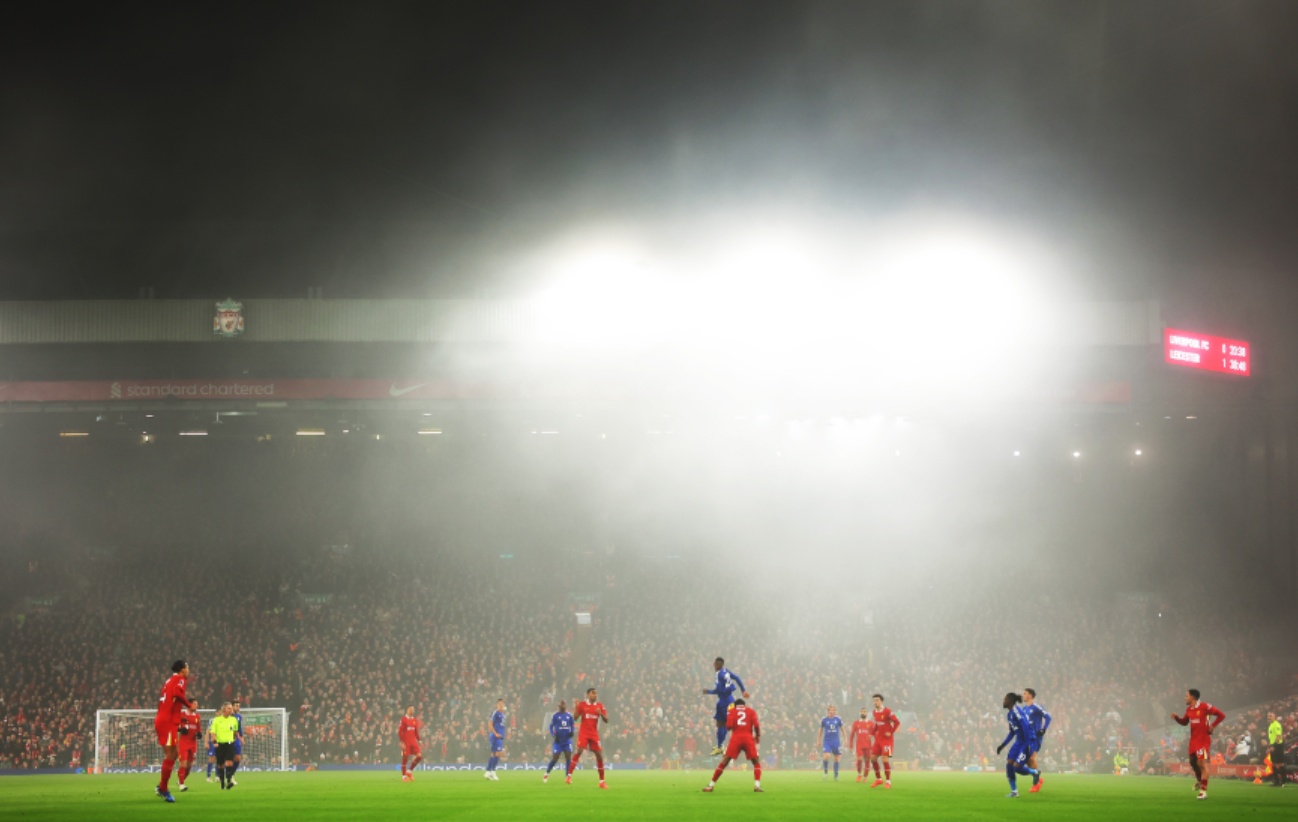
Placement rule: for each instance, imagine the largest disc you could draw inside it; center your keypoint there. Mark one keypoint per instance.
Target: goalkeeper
(224, 728)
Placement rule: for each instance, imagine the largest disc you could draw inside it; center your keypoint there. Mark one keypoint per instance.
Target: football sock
(550, 767)
(166, 774)
(404, 760)
(180, 776)
(601, 772)
(757, 772)
(415, 762)
(1203, 783)
(1009, 774)
(721, 736)
(836, 769)
(210, 766)
(877, 775)
(887, 770)
(233, 768)
(491, 763)
(572, 763)
(824, 764)
(717, 774)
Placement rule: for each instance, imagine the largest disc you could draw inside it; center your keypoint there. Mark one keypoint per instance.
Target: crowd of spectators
(346, 639)
(344, 605)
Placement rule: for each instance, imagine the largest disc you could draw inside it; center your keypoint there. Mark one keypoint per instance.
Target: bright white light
(310, 432)
(1017, 453)
(426, 432)
(1077, 455)
(193, 433)
(1139, 452)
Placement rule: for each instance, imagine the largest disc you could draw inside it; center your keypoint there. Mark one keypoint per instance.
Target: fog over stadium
(365, 357)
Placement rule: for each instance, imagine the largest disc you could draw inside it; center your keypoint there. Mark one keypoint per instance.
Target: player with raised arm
(1016, 762)
(561, 728)
(497, 738)
(829, 738)
(862, 741)
(187, 742)
(886, 724)
(1040, 719)
(724, 690)
(167, 722)
(1197, 714)
(747, 734)
(238, 740)
(408, 734)
(589, 714)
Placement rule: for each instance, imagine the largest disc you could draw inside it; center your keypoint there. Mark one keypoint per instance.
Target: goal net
(125, 741)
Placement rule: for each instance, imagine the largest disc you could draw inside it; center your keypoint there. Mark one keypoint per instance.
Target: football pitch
(635, 795)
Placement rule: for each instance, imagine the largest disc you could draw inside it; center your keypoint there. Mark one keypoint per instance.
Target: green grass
(519, 795)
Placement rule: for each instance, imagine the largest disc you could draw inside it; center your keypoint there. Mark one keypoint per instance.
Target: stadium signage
(228, 322)
(1205, 352)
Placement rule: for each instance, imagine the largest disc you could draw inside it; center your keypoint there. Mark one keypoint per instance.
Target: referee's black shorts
(1277, 754)
(224, 752)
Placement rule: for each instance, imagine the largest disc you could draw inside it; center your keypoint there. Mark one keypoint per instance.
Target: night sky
(387, 149)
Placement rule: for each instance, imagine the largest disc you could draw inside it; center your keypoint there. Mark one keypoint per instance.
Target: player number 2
(741, 719)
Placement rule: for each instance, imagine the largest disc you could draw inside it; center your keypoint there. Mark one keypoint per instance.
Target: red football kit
(862, 733)
(170, 702)
(742, 721)
(408, 733)
(187, 743)
(1196, 716)
(588, 732)
(885, 725)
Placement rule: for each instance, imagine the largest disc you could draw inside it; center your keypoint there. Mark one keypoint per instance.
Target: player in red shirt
(885, 725)
(589, 714)
(862, 741)
(746, 732)
(187, 742)
(1196, 716)
(408, 733)
(167, 722)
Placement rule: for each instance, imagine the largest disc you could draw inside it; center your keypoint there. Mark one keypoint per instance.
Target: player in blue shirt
(829, 737)
(1024, 738)
(1040, 722)
(238, 743)
(561, 728)
(727, 684)
(497, 738)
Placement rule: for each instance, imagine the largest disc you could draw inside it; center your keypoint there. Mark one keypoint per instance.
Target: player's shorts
(224, 752)
(881, 747)
(1200, 752)
(211, 749)
(744, 745)
(166, 733)
(1036, 745)
(590, 743)
(831, 748)
(864, 750)
(723, 710)
(561, 747)
(411, 749)
(1277, 754)
(497, 744)
(238, 747)
(1019, 753)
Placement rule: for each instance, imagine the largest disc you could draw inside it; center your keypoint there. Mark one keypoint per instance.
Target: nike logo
(397, 392)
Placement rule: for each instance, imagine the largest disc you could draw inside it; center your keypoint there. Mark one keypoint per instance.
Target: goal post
(125, 741)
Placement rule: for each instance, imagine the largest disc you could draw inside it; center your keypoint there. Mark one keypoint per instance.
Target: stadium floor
(636, 796)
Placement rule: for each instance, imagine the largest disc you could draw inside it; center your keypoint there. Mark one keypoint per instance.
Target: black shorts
(224, 752)
(1277, 754)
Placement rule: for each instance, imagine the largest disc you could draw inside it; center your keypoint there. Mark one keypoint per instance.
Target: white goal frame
(135, 727)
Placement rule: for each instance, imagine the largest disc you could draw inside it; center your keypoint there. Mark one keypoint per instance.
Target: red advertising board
(1205, 352)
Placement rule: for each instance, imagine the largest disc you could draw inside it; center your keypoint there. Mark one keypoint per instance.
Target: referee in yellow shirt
(223, 729)
(1275, 737)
